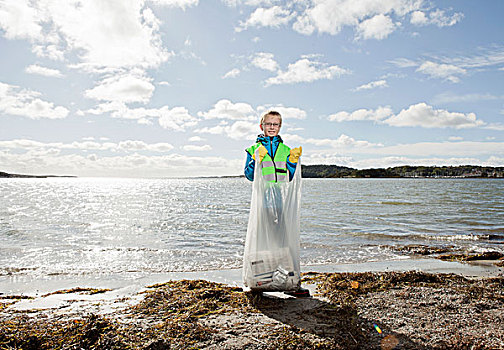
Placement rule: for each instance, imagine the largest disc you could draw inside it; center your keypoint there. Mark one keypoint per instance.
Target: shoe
(299, 293)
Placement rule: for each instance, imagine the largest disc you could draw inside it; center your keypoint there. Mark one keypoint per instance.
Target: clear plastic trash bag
(271, 256)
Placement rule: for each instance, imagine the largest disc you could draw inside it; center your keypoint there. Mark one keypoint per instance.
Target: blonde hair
(272, 114)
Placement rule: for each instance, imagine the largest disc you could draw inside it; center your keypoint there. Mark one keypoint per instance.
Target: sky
(175, 88)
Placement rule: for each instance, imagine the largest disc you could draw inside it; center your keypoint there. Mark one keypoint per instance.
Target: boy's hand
(295, 153)
(262, 152)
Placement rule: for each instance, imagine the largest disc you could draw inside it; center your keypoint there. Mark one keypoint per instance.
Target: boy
(278, 164)
(270, 145)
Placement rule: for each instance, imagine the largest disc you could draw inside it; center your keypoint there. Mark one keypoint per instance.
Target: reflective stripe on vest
(274, 170)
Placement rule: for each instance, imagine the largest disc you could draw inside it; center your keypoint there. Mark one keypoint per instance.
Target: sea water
(99, 227)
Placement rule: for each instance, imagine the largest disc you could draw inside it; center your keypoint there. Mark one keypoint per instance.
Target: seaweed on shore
(89, 291)
(419, 249)
(492, 255)
(448, 253)
(91, 332)
(344, 288)
(200, 314)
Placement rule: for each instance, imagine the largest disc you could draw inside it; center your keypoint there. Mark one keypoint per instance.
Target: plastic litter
(271, 256)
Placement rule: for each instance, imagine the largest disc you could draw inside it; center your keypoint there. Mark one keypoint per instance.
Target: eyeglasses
(275, 125)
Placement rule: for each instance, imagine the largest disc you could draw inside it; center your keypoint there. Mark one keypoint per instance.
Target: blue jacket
(271, 144)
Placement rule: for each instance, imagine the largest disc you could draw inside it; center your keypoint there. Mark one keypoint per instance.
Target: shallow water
(101, 227)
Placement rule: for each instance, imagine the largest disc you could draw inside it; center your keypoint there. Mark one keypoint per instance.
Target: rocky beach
(403, 309)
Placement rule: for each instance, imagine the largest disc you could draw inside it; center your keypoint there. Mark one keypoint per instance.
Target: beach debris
(491, 255)
(419, 249)
(80, 290)
(389, 342)
(387, 310)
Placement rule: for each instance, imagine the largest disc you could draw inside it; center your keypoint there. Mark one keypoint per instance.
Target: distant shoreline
(8, 175)
(323, 171)
(405, 171)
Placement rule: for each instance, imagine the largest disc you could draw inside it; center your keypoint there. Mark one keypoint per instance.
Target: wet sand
(404, 304)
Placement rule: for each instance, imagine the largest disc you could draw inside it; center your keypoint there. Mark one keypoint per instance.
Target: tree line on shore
(4, 174)
(337, 171)
(461, 171)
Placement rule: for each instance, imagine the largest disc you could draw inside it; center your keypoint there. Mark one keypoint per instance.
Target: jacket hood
(266, 139)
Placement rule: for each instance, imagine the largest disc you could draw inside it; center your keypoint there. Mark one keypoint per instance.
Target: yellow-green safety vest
(274, 170)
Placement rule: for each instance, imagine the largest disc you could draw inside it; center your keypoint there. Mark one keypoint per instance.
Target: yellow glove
(262, 152)
(295, 153)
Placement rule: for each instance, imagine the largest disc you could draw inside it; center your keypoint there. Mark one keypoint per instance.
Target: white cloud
(371, 19)
(215, 130)
(392, 161)
(420, 114)
(443, 71)
(195, 139)
(285, 112)
(305, 71)
(362, 114)
(444, 149)
(343, 141)
(48, 72)
(129, 165)
(233, 73)
(330, 16)
(486, 58)
(177, 118)
(240, 130)
(19, 20)
(404, 63)
(267, 17)
(495, 126)
(254, 3)
(419, 18)
(194, 148)
(110, 34)
(142, 146)
(164, 83)
(379, 27)
(437, 17)
(457, 98)
(26, 103)
(455, 138)
(439, 153)
(225, 109)
(372, 85)
(183, 4)
(426, 116)
(128, 87)
(265, 61)
(88, 145)
(451, 68)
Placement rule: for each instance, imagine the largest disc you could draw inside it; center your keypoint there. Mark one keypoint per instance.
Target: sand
(409, 304)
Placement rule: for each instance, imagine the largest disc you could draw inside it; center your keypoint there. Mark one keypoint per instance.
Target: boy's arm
(292, 161)
(291, 168)
(249, 167)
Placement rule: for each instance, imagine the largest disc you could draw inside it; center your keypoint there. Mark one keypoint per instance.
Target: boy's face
(271, 125)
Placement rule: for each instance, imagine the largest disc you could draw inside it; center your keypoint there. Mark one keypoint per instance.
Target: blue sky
(168, 88)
